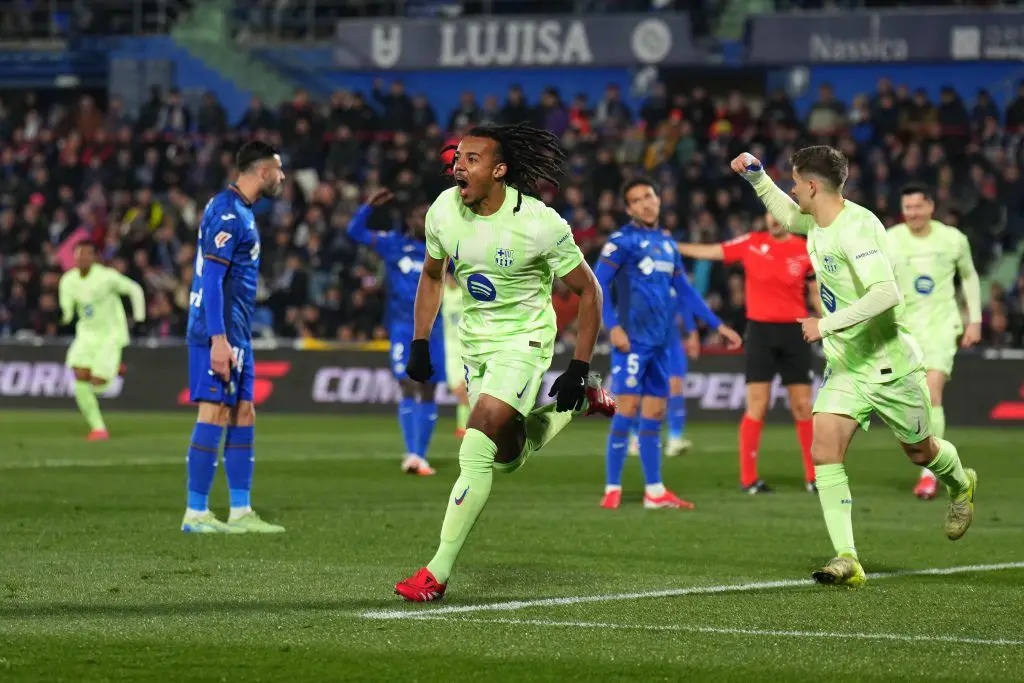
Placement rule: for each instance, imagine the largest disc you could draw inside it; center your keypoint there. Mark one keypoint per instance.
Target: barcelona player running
(874, 365)
(778, 275)
(646, 267)
(93, 292)
(507, 247)
(220, 359)
(403, 257)
(927, 256)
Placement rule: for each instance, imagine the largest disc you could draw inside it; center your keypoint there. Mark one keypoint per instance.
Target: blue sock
(408, 422)
(239, 464)
(615, 460)
(650, 450)
(676, 417)
(202, 463)
(426, 418)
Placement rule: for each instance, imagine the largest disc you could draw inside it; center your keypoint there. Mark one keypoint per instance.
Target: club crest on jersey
(830, 264)
(221, 238)
(504, 257)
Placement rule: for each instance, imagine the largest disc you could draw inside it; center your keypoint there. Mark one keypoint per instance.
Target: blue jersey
(403, 260)
(651, 289)
(228, 238)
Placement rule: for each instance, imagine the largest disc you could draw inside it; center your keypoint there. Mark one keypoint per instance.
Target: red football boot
(612, 499)
(98, 435)
(599, 401)
(666, 500)
(926, 486)
(420, 587)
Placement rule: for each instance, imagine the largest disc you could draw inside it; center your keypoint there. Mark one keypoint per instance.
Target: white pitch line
(900, 637)
(668, 593)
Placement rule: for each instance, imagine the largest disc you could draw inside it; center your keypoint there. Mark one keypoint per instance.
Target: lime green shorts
(902, 403)
(514, 378)
(938, 352)
(101, 357)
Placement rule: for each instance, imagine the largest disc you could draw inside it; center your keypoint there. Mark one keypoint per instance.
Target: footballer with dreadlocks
(506, 247)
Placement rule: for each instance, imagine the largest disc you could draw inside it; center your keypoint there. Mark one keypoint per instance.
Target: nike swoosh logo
(458, 501)
(520, 394)
(457, 250)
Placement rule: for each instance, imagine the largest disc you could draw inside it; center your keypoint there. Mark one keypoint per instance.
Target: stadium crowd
(137, 186)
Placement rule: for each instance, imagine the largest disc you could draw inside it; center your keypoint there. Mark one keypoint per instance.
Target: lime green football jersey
(96, 298)
(925, 268)
(505, 264)
(850, 256)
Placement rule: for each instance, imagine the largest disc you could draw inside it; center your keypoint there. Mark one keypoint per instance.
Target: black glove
(419, 367)
(571, 387)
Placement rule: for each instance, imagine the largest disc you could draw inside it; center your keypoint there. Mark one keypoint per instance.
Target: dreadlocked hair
(531, 155)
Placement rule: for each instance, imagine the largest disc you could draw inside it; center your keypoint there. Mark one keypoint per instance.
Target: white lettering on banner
(363, 385)
(824, 47)
(44, 379)
(386, 45)
(519, 43)
(728, 390)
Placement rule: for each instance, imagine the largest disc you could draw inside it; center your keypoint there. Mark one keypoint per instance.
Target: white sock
(195, 514)
(655, 490)
(612, 487)
(239, 512)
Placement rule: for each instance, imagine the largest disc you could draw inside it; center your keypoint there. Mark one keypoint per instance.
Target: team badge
(221, 238)
(504, 257)
(830, 264)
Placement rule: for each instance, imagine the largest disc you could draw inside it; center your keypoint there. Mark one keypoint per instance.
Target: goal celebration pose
(874, 365)
(507, 247)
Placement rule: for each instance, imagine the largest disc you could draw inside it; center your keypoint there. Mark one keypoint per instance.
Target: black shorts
(777, 349)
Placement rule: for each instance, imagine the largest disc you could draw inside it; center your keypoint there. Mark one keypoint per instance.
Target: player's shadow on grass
(211, 608)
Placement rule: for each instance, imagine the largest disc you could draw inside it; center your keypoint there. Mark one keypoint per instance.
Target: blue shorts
(401, 340)
(678, 363)
(203, 385)
(641, 372)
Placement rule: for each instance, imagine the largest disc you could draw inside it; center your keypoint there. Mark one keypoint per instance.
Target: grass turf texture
(97, 583)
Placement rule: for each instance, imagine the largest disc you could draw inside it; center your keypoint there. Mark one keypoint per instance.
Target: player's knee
(213, 413)
(801, 409)
(98, 381)
(627, 405)
(408, 388)
(82, 374)
(653, 409)
(427, 392)
(675, 386)
(243, 414)
(923, 452)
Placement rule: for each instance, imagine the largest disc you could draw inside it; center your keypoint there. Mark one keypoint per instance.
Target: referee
(778, 277)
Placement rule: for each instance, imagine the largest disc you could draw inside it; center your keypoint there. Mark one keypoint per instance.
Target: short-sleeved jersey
(776, 272)
(96, 299)
(227, 235)
(849, 257)
(505, 264)
(647, 262)
(925, 270)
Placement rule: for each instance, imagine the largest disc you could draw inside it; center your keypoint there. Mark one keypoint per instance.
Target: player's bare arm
(703, 252)
(814, 296)
(428, 296)
(583, 283)
(970, 287)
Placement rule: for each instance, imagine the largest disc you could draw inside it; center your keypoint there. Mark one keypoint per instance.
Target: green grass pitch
(98, 584)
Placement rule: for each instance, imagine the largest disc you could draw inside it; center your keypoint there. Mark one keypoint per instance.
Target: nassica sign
(885, 37)
(613, 40)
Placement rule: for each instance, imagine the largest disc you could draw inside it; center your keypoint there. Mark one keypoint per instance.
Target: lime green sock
(469, 495)
(542, 425)
(947, 468)
(461, 416)
(85, 397)
(837, 506)
(938, 419)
